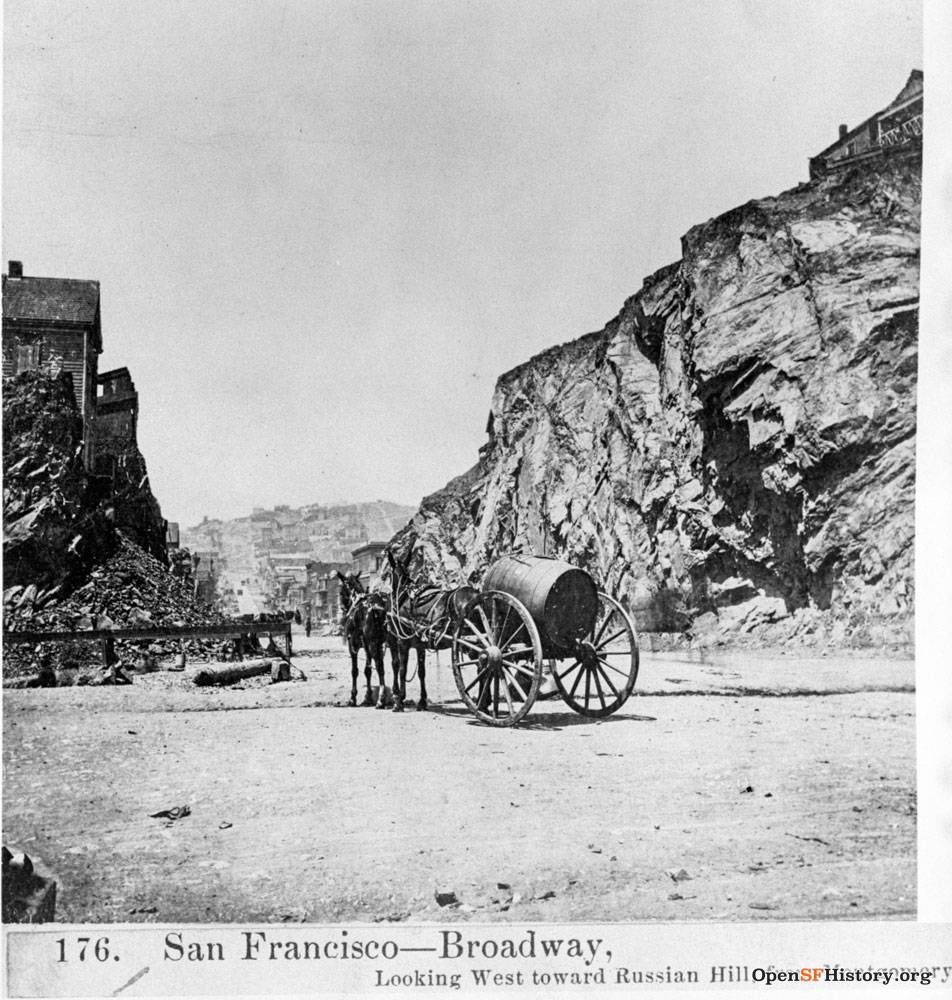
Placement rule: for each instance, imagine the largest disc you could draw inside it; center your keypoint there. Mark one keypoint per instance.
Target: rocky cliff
(70, 553)
(735, 450)
(54, 527)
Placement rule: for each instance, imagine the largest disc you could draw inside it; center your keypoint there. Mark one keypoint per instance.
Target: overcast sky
(322, 230)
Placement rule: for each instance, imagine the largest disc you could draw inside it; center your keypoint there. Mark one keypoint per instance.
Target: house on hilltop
(54, 322)
(898, 124)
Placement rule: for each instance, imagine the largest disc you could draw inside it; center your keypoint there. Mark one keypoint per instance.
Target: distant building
(116, 417)
(172, 535)
(368, 561)
(54, 323)
(206, 575)
(322, 593)
(327, 607)
(898, 124)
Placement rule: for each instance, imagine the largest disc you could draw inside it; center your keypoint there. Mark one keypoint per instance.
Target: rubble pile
(67, 565)
(734, 453)
(54, 527)
(129, 588)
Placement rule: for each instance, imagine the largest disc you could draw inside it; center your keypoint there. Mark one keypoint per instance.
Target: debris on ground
(229, 673)
(128, 585)
(176, 812)
(678, 874)
(446, 898)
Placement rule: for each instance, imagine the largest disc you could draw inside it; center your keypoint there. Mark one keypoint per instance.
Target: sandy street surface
(784, 787)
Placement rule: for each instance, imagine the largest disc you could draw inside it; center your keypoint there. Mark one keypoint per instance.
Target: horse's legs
(402, 650)
(394, 648)
(378, 662)
(353, 673)
(421, 668)
(368, 697)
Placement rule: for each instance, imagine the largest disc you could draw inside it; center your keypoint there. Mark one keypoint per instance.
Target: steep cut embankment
(736, 447)
(69, 562)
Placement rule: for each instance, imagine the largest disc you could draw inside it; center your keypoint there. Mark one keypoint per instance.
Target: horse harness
(421, 612)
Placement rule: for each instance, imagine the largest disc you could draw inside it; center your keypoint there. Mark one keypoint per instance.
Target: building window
(28, 357)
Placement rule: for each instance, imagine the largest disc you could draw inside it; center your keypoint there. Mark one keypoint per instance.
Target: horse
(422, 616)
(365, 626)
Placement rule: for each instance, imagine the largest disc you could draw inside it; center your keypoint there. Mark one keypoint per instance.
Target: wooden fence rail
(232, 630)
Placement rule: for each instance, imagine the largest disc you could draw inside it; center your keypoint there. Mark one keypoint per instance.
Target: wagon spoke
(490, 631)
(601, 628)
(607, 679)
(480, 674)
(575, 685)
(611, 666)
(502, 627)
(482, 636)
(517, 650)
(515, 680)
(495, 695)
(569, 669)
(466, 663)
(521, 667)
(612, 638)
(505, 690)
(598, 685)
(470, 645)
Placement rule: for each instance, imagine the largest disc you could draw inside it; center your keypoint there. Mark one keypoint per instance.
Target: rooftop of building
(369, 547)
(55, 300)
(912, 89)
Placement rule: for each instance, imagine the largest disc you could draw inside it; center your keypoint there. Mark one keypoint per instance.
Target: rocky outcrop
(54, 527)
(736, 447)
(69, 562)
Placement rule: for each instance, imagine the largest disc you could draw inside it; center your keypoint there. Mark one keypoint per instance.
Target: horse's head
(400, 566)
(350, 589)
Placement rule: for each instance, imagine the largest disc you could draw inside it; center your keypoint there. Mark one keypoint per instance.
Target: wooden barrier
(107, 637)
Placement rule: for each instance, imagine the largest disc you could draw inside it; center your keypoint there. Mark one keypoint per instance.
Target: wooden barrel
(561, 598)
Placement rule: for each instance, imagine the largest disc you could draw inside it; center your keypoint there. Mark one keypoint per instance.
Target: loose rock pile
(54, 526)
(130, 588)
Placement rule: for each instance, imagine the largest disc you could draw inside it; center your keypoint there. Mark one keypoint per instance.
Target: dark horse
(422, 617)
(365, 626)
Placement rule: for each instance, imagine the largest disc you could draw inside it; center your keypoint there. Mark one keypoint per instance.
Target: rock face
(737, 447)
(53, 525)
(69, 562)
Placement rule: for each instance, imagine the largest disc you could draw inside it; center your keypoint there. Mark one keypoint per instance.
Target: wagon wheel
(497, 658)
(601, 673)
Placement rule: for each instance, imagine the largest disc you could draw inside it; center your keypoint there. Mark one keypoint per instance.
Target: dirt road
(783, 786)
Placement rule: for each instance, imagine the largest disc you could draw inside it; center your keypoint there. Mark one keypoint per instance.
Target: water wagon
(533, 611)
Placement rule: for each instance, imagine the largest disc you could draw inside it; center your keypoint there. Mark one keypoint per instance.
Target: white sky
(323, 230)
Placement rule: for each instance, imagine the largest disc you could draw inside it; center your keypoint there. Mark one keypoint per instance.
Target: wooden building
(898, 124)
(368, 561)
(54, 323)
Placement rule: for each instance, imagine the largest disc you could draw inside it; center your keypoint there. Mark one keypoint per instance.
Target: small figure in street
(307, 626)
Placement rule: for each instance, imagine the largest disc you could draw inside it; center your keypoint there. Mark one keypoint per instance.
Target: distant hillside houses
(286, 559)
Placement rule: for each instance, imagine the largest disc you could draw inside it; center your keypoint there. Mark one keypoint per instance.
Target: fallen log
(228, 673)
